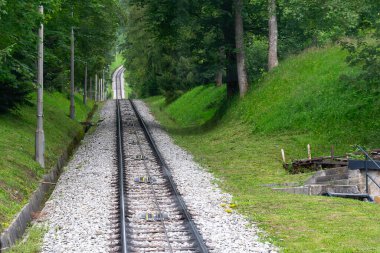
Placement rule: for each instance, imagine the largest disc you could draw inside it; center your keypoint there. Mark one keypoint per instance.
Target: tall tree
(172, 46)
(273, 35)
(228, 28)
(240, 54)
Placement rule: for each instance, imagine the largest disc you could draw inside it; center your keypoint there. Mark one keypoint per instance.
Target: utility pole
(104, 86)
(40, 135)
(96, 88)
(72, 102)
(90, 92)
(85, 85)
(100, 89)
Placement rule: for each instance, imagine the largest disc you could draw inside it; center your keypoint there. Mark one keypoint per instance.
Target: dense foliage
(95, 25)
(172, 46)
(365, 53)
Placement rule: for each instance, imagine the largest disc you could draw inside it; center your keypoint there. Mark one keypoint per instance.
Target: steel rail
(120, 159)
(119, 93)
(198, 238)
(153, 191)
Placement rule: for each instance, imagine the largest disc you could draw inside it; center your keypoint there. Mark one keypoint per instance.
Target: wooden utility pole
(240, 54)
(72, 87)
(273, 35)
(40, 135)
(85, 85)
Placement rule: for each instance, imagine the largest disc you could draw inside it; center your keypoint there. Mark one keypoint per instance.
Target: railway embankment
(303, 101)
(23, 183)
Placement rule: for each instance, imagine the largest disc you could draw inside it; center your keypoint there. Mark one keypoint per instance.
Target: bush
(366, 55)
(257, 58)
(14, 89)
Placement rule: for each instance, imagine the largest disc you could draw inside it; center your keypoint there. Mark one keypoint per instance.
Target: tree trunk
(240, 55)
(273, 35)
(227, 26)
(220, 71)
(219, 78)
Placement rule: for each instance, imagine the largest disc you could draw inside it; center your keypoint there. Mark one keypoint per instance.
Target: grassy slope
(19, 173)
(301, 102)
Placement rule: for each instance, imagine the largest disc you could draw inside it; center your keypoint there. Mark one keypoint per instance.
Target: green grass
(32, 243)
(127, 90)
(118, 61)
(19, 173)
(303, 101)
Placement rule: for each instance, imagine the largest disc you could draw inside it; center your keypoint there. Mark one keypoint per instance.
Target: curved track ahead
(153, 217)
(118, 83)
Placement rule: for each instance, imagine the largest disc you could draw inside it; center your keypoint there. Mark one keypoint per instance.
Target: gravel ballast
(77, 215)
(222, 231)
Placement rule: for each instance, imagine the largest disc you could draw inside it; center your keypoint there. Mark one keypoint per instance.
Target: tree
(95, 22)
(240, 54)
(365, 53)
(273, 35)
(17, 47)
(172, 46)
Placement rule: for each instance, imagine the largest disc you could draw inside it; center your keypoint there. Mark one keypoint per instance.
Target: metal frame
(367, 156)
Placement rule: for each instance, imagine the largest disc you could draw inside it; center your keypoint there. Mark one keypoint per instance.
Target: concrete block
(315, 189)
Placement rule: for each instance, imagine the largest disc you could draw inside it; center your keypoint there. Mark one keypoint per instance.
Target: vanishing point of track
(152, 215)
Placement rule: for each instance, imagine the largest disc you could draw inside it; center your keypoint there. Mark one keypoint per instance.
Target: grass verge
(32, 243)
(303, 101)
(19, 173)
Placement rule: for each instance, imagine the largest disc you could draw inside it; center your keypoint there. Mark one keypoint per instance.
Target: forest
(173, 46)
(95, 25)
(233, 82)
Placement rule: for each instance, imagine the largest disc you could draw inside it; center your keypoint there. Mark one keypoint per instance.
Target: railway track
(152, 215)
